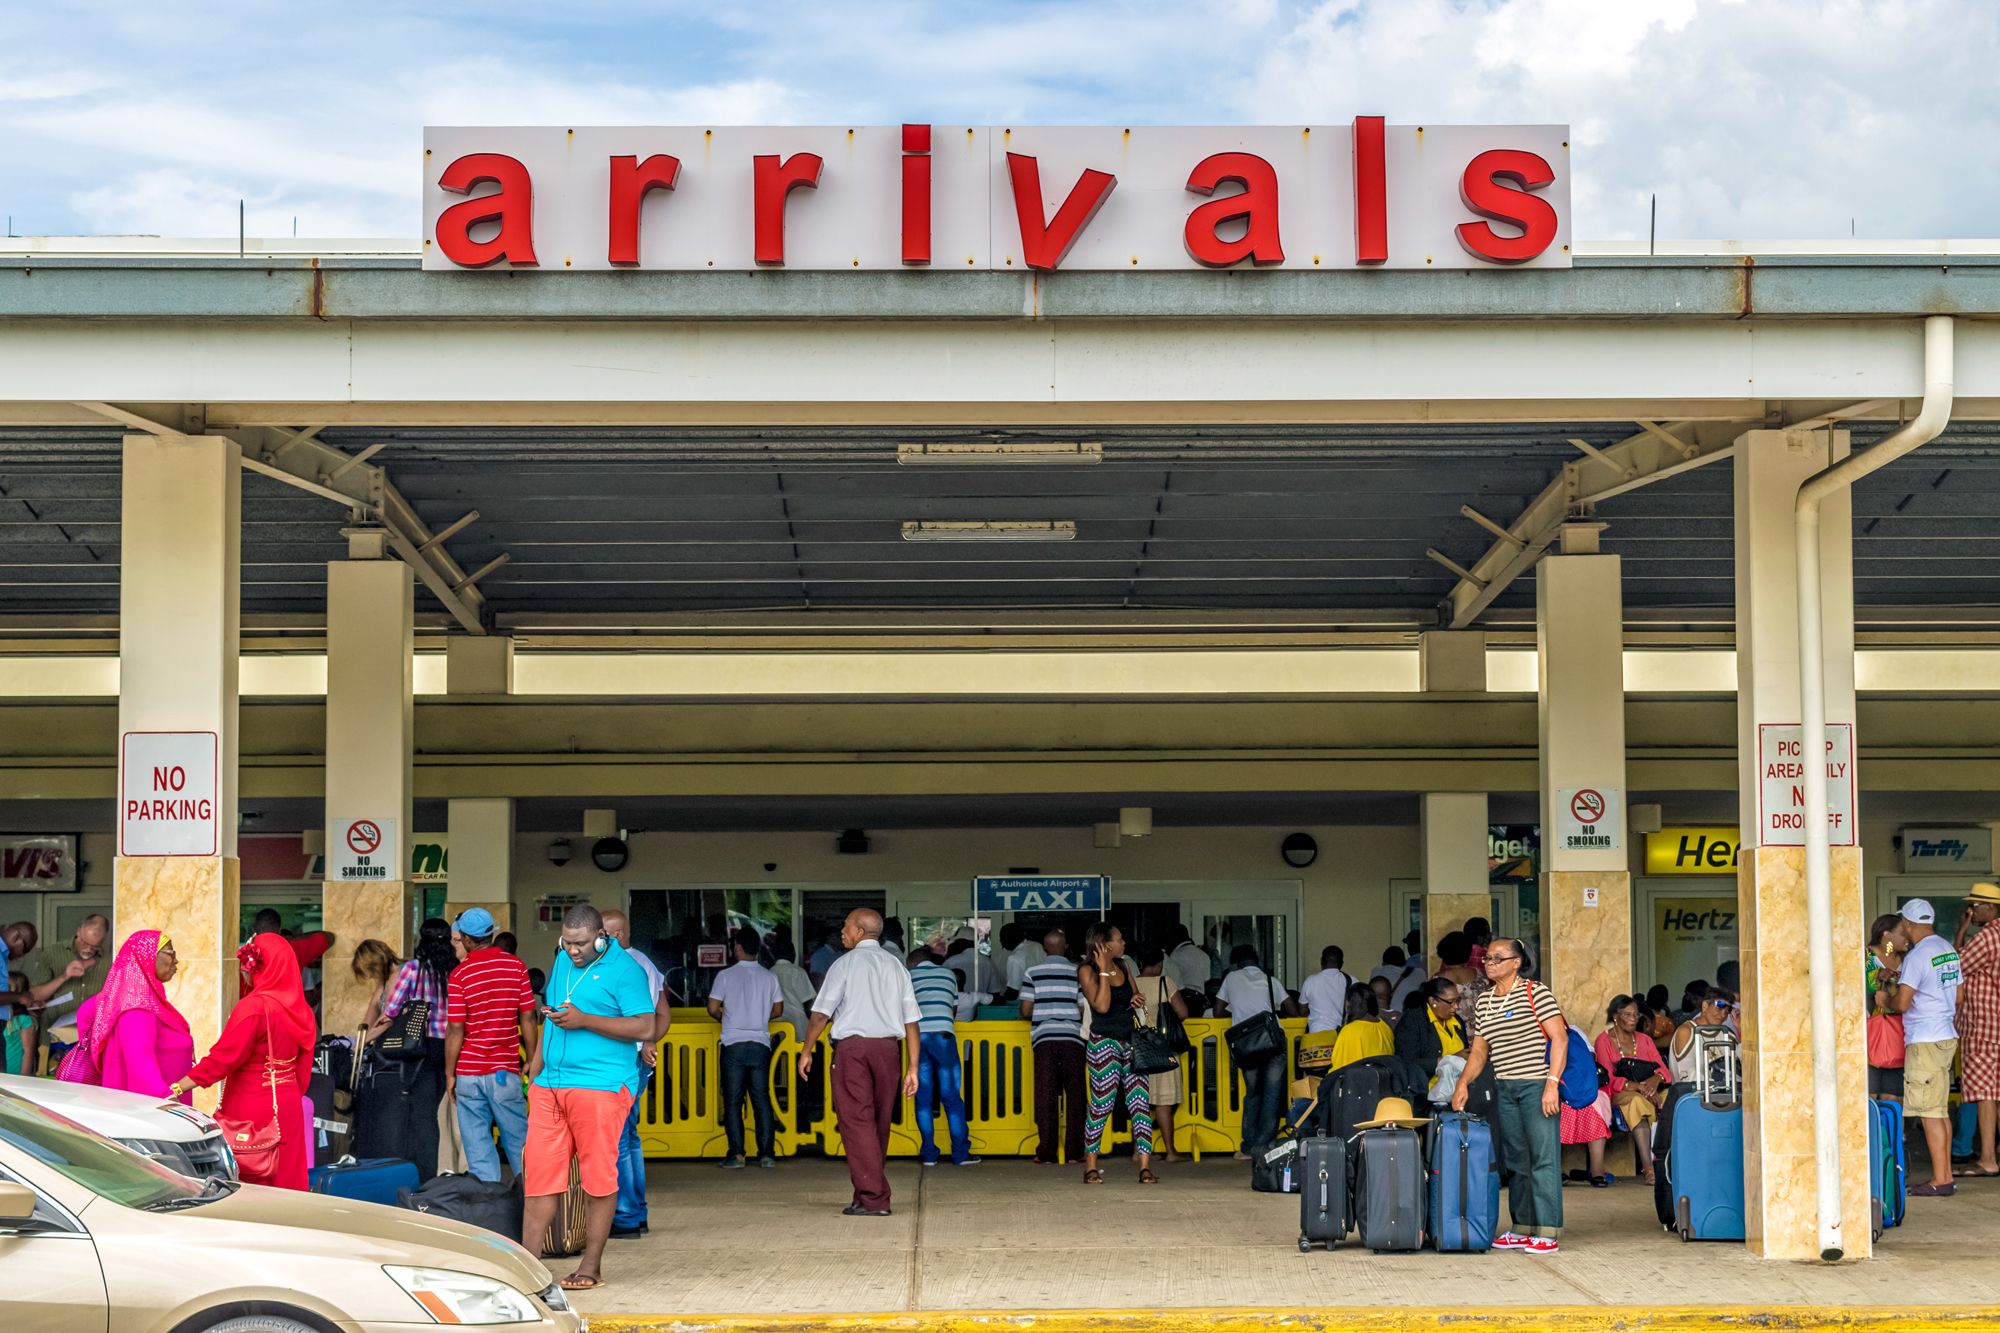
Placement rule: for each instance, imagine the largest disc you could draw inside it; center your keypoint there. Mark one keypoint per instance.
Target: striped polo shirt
(937, 996)
(1512, 1027)
(1058, 1013)
(487, 993)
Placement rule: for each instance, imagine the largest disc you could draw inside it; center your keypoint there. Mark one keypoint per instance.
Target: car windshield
(108, 1169)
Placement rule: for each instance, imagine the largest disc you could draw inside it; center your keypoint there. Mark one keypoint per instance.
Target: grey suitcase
(1323, 1211)
(1389, 1190)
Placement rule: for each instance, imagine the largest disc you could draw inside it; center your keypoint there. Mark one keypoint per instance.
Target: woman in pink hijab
(130, 1035)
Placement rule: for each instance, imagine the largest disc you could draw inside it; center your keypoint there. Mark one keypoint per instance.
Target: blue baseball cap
(475, 921)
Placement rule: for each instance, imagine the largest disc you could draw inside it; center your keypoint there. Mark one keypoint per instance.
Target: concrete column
(1452, 659)
(370, 604)
(178, 643)
(482, 857)
(1454, 862)
(479, 664)
(1586, 875)
(1777, 1031)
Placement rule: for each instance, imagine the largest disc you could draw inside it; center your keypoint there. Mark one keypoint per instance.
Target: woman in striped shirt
(400, 1118)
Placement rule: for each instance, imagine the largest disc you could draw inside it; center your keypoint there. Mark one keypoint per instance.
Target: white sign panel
(1013, 199)
(167, 794)
(1781, 785)
(362, 850)
(1590, 819)
(1947, 851)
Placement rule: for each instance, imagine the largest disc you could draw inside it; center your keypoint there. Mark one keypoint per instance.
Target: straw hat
(1984, 893)
(1394, 1113)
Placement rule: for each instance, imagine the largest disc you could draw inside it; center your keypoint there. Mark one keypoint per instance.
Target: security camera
(559, 852)
(770, 866)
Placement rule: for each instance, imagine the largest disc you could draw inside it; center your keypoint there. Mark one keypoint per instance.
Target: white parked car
(176, 1136)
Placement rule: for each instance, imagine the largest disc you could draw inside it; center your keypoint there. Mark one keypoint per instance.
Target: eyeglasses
(1493, 958)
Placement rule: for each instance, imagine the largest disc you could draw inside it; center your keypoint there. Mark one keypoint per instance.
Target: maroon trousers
(867, 1081)
(1059, 1067)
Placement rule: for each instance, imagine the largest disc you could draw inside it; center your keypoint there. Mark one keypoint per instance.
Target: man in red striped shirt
(485, 999)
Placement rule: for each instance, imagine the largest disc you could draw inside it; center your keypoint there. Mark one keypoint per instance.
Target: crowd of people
(543, 1070)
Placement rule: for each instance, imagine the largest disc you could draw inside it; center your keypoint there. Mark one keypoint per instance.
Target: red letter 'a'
(631, 181)
(916, 194)
(775, 180)
(1371, 192)
(513, 207)
(1484, 194)
(1043, 245)
(1257, 205)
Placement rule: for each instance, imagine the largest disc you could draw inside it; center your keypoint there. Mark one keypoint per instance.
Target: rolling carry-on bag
(463, 1198)
(1389, 1190)
(1663, 1142)
(1464, 1184)
(1888, 1167)
(1706, 1157)
(367, 1180)
(1276, 1169)
(1323, 1215)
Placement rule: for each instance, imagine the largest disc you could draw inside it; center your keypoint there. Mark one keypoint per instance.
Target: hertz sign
(1692, 851)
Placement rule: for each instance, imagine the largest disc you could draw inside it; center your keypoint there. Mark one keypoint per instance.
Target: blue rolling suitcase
(369, 1180)
(1705, 1162)
(1888, 1167)
(1464, 1183)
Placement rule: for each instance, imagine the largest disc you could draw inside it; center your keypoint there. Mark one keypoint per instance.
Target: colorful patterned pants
(1110, 1067)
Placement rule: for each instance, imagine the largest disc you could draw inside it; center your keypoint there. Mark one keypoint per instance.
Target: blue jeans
(939, 1074)
(1263, 1098)
(487, 1102)
(631, 1174)
(746, 1071)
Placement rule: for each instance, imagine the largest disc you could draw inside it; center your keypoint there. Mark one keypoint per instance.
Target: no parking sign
(363, 849)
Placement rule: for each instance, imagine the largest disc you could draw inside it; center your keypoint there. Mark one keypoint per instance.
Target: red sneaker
(1541, 1245)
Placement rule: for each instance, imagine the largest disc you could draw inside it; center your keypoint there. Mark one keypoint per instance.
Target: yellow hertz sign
(1692, 851)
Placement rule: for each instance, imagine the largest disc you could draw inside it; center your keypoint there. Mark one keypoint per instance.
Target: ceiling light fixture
(994, 453)
(1059, 530)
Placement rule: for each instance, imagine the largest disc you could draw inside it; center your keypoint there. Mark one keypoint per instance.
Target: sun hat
(1984, 893)
(1919, 912)
(1396, 1113)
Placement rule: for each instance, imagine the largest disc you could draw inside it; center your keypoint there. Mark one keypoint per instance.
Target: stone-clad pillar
(370, 605)
(1586, 877)
(178, 642)
(1454, 863)
(1777, 1033)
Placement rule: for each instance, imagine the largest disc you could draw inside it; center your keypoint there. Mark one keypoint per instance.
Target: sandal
(1602, 1182)
(1146, 1176)
(1093, 1177)
(1974, 1173)
(578, 1282)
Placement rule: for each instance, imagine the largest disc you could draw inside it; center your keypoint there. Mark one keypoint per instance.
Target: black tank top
(1115, 1023)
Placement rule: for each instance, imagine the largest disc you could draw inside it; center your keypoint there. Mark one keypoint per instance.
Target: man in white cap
(1928, 1001)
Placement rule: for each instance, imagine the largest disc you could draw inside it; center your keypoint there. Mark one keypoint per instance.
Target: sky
(1749, 119)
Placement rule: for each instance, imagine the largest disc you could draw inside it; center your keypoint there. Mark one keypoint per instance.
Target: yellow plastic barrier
(680, 1111)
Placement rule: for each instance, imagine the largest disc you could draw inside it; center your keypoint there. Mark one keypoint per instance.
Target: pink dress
(144, 1055)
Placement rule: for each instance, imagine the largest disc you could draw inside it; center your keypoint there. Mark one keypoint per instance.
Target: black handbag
(405, 1038)
(1635, 1070)
(1256, 1040)
(1158, 1047)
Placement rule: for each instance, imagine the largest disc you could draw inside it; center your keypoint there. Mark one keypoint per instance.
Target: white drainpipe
(1922, 429)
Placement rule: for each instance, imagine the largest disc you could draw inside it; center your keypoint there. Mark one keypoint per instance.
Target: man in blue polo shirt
(583, 1080)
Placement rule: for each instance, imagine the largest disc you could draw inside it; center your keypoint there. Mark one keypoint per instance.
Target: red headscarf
(278, 987)
(133, 983)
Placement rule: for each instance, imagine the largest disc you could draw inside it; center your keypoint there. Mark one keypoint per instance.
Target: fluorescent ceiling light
(1060, 530)
(994, 454)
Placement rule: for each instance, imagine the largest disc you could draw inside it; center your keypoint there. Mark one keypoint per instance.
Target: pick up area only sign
(1781, 784)
(166, 794)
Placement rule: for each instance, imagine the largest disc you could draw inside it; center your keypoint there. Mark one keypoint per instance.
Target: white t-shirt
(1931, 970)
(1248, 993)
(1030, 954)
(1325, 994)
(1405, 989)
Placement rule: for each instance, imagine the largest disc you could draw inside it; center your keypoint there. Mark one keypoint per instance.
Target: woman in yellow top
(1364, 1034)
(1429, 1031)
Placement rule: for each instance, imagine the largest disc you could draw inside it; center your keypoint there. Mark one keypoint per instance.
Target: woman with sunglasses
(1716, 1006)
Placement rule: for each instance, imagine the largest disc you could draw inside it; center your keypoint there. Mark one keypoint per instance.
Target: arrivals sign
(1307, 198)
(167, 794)
(1040, 893)
(1781, 784)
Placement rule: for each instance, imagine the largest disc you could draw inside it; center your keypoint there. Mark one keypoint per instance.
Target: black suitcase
(1276, 1170)
(1323, 1211)
(1663, 1139)
(1389, 1190)
(482, 1203)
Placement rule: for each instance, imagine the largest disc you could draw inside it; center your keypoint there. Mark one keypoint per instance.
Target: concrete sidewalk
(1011, 1236)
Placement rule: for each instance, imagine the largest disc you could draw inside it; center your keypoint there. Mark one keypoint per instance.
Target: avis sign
(167, 794)
(1781, 786)
(1310, 198)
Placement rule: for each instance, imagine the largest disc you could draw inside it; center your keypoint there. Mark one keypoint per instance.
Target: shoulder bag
(405, 1038)
(1158, 1046)
(1255, 1040)
(256, 1146)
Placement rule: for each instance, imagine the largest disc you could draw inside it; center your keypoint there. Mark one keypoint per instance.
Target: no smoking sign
(1589, 819)
(363, 850)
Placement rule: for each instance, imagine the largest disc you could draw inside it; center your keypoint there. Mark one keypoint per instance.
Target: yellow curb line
(1377, 1319)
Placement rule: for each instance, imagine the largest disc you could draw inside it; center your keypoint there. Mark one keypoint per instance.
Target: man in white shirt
(872, 1009)
(1190, 964)
(629, 1222)
(793, 984)
(747, 1000)
(1927, 998)
(1325, 992)
(1022, 954)
(1247, 992)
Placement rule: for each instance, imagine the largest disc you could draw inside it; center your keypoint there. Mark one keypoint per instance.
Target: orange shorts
(583, 1123)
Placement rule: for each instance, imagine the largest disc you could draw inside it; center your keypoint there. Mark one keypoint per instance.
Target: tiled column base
(357, 912)
(1587, 951)
(1446, 912)
(193, 901)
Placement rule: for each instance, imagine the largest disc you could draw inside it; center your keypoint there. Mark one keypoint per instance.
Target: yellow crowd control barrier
(680, 1107)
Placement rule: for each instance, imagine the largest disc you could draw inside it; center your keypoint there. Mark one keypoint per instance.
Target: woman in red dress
(264, 1058)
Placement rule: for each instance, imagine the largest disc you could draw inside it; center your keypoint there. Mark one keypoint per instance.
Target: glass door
(1268, 923)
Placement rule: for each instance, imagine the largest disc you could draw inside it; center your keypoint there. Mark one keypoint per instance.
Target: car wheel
(260, 1323)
